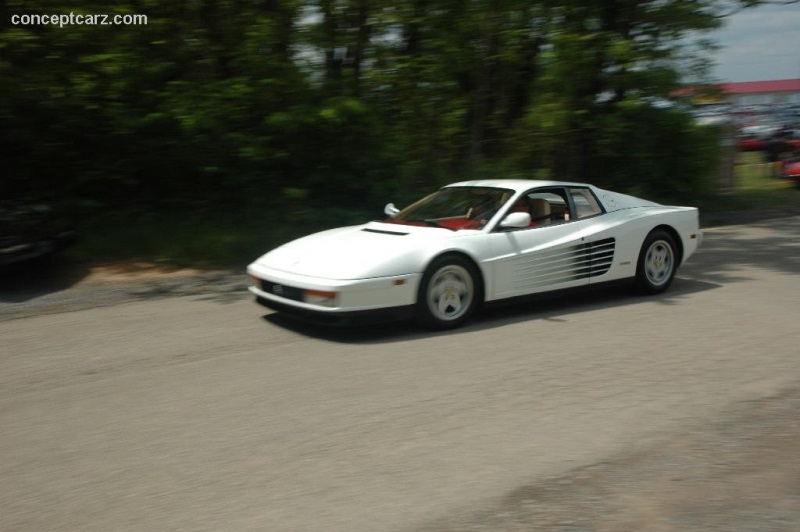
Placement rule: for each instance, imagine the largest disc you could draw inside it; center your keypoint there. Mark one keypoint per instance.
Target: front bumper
(283, 291)
(356, 317)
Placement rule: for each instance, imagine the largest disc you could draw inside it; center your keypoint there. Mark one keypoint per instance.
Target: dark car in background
(29, 232)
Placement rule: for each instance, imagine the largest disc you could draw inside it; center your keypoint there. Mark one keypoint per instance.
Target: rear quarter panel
(630, 227)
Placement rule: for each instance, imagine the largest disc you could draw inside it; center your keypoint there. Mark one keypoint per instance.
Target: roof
(755, 87)
(613, 201)
(517, 185)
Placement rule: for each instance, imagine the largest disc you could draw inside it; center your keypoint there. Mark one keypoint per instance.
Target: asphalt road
(144, 409)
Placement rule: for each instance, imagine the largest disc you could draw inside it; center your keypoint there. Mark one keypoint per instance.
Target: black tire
(658, 262)
(448, 293)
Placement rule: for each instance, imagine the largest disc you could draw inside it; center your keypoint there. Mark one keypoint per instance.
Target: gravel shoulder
(55, 287)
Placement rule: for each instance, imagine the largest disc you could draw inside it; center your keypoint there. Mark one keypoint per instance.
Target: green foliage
(296, 107)
(655, 153)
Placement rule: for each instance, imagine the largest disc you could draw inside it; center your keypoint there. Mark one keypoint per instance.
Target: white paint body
(379, 265)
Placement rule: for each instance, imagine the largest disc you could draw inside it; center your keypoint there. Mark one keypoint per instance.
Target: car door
(599, 244)
(552, 254)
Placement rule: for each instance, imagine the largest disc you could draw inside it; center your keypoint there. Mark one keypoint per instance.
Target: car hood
(374, 249)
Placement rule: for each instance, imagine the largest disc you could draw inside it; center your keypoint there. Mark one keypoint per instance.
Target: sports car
(477, 242)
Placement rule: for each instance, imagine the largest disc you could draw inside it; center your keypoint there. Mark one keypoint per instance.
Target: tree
(284, 103)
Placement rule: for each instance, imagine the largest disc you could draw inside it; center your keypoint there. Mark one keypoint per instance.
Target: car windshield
(454, 208)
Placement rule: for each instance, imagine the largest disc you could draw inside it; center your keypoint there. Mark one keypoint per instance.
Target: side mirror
(516, 220)
(390, 210)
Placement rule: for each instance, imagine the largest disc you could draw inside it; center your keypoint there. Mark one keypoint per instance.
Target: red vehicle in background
(793, 138)
(752, 139)
(750, 143)
(791, 170)
(791, 161)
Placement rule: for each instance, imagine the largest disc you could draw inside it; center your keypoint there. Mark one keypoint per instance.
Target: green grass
(213, 240)
(232, 240)
(755, 189)
(165, 240)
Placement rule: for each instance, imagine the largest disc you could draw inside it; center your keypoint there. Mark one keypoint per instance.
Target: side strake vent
(596, 258)
(566, 264)
(384, 232)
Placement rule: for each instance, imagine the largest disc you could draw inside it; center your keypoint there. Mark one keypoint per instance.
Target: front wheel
(657, 263)
(448, 293)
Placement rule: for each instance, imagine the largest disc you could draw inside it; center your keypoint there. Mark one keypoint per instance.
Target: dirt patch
(62, 287)
(740, 474)
(132, 271)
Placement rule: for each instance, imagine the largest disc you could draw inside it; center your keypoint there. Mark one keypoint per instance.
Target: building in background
(781, 92)
(754, 116)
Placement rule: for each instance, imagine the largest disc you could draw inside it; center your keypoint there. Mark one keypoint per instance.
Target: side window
(548, 206)
(586, 204)
(545, 206)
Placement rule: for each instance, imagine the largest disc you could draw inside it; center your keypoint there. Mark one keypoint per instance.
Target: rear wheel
(656, 267)
(448, 293)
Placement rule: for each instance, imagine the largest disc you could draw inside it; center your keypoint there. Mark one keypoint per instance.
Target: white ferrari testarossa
(477, 242)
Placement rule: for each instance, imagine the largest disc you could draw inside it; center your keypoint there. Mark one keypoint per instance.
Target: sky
(759, 44)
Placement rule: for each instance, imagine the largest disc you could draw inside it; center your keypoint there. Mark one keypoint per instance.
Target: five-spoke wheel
(448, 293)
(657, 262)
